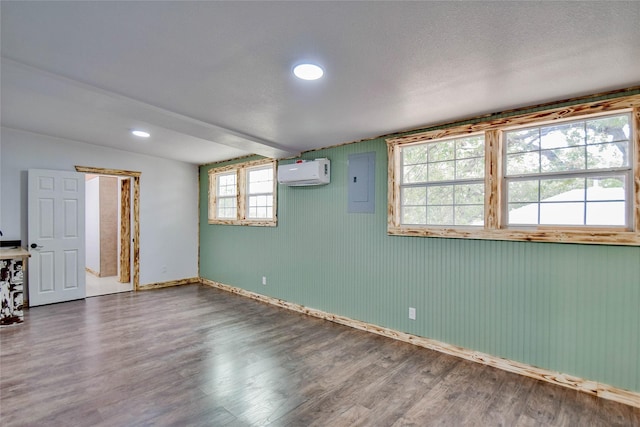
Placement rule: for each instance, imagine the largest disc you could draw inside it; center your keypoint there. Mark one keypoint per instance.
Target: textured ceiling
(212, 80)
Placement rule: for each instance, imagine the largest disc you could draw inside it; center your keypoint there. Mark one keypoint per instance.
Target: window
(260, 192)
(574, 174)
(443, 182)
(243, 194)
(556, 175)
(226, 192)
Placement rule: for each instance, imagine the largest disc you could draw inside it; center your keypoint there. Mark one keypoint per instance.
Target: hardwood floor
(197, 356)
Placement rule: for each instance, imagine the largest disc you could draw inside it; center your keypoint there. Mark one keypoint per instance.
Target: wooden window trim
(241, 195)
(495, 224)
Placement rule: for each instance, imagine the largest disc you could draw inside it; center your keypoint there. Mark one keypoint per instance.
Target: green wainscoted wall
(565, 307)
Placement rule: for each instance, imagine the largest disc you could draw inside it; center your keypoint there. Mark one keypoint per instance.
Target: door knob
(33, 246)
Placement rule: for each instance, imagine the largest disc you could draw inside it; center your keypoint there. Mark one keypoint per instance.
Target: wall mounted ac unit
(301, 173)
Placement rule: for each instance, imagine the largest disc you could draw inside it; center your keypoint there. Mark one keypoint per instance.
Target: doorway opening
(107, 234)
(127, 202)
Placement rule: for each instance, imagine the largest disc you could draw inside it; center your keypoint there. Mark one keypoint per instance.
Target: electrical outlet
(412, 313)
(264, 280)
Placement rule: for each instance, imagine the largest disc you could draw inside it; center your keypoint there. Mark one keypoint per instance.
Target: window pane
(526, 163)
(442, 150)
(414, 174)
(470, 147)
(562, 201)
(226, 180)
(440, 215)
(608, 129)
(561, 146)
(414, 155)
(260, 180)
(226, 185)
(523, 191)
(523, 213)
(565, 159)
(562, 190)
(446, 160)
(523, 140)
(260, 207)
(606, 189)
(414, 215)
(440, 195)
(227, 202)
(470, 168)
(562, 213)
(564, 135)
(606, 213)
(223, 213)
(260, 187)
(227, 208)
(470, 215)
(442, 171)
(612, 155)
(414, 196)
(471, 194)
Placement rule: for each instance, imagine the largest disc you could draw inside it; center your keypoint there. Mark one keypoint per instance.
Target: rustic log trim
(236, 166)
(103, 171)
(168, 284)
(136, 211)
(556, 235)
(393, 187)
(492, 218)
(593, 388)
(539, 117)
(125, 231)
(136, 233)
(636, 177)
(495, 227)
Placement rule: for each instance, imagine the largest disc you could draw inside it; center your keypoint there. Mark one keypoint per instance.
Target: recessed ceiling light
(308, 71)
(141, 133)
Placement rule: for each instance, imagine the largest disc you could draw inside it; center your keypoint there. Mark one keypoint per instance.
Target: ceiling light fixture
(308, 71)
(141, 133)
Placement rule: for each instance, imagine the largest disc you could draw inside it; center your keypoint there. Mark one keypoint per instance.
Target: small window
(442, 182)
(243, 194)
(260, 192)
(576, 173)
(226, 189)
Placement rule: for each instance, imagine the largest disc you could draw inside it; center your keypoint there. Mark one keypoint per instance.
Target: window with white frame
(442, 182)
(260, 192)
(575, 173)
(243, 194)
(226, 195)
(565, 174)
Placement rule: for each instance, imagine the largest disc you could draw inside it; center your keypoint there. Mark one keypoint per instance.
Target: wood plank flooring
(197, 356)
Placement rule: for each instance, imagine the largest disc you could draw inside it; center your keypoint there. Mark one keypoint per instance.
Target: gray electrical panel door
(361, 185)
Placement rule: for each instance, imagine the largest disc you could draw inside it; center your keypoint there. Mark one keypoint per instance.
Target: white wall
(92, 224)
(168, 197)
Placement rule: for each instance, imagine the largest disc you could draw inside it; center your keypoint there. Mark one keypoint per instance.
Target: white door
(56, 236)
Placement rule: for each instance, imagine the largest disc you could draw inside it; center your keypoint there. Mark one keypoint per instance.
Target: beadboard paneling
(564, 307)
